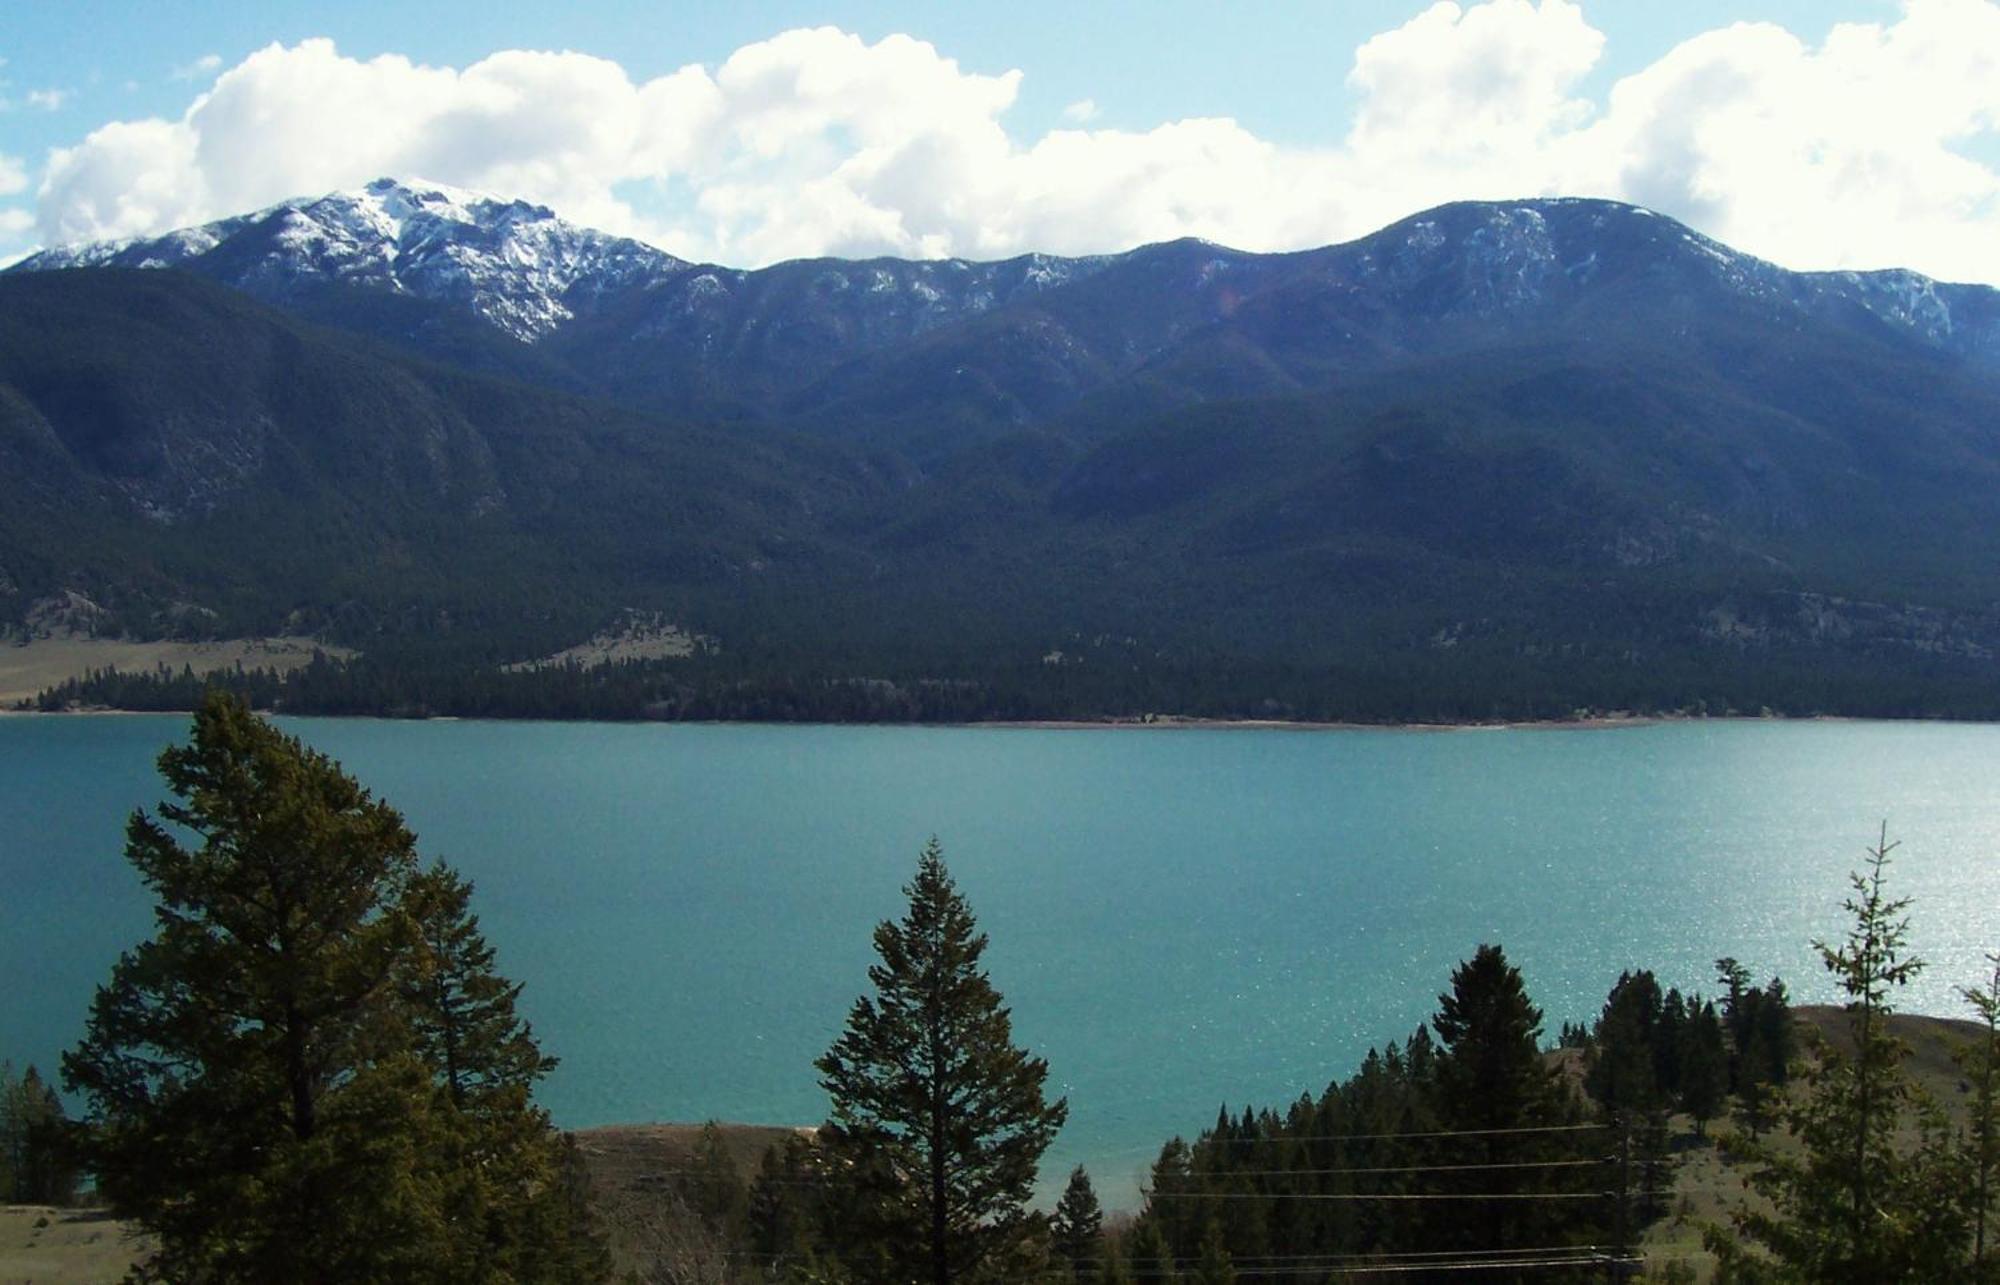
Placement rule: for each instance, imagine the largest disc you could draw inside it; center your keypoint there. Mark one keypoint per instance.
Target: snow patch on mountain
(531, 275)
(516, 265)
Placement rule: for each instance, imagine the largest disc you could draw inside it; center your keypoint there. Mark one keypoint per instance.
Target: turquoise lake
(1179, 918)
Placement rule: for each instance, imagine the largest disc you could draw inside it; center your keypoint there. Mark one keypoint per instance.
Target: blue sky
(1276, 67)
(1823, 134)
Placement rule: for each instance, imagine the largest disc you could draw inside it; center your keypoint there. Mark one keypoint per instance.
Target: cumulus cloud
(205, 65)
(818, 142)
(1836, 156)
(13, 175)
(48, 100)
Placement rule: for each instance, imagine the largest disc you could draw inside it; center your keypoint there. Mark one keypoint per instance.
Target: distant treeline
(1093, 684)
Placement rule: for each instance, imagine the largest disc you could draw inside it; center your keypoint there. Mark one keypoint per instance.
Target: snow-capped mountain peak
(519, 268)
(517, 265)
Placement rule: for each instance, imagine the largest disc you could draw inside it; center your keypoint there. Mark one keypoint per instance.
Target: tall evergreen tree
(260, 1096)
(1981, 1061)
(13, 1133)
(36, 1166)
(461, 1008)
(1147, 1255)
(1111, 1268)
(1493, 1080)
(1857, 1202)
(1624, 1063)
(1491, 1071)
(930, 1093)
(1213, 1266)
(1078, 1224)
(1704, 1066)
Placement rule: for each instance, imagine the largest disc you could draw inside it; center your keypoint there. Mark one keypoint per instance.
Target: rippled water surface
(1179, 918)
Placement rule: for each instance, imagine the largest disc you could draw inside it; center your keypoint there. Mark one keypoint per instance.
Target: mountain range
(1496, 458)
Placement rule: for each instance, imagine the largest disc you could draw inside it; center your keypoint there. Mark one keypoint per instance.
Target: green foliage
(1399, 1159)
(1077, 1226)
(1491, 1075)
(1758, 1027)
(1464, 540)
(1624, 1062)
(1213, 1267)
(1111, 1267)
(785, 1208)
(1704, 1059)
(269, 1081)
(36, 1167)
(1857, 1202)
(461, 1010)
(938, 1119)
(1981, 1061)
(1149, 1256)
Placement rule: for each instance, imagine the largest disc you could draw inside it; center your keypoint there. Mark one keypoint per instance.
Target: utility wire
(1260, 1173)
(1218, 1140)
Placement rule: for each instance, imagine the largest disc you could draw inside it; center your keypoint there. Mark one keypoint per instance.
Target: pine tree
(1704, 1066)
(1492, 1078)
(1981, 1062)
(462, 1010)
(1149, 1257)
(1856, 1203)
(936, 1112)
(1623, 1064)
(35, 1163)
(1213, 1267)
(1078, 1224)
(261, 1095)
(13, 1135)
(1111, 1268)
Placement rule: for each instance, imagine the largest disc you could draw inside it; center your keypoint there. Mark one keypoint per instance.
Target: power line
(1220, 1140)
(1257, 1173)
(1462, 1264)
(1358, 1195)
(1402, 1255)
(1325, 1173)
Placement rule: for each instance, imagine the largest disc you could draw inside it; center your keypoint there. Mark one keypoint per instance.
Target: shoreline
(1161, 723)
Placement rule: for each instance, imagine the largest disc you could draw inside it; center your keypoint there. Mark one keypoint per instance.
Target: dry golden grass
(631, 1170)
(620, 1156)
(44, 1246)
(635, 1174)
(30, 668)
(1710, 1186)
(638, 637)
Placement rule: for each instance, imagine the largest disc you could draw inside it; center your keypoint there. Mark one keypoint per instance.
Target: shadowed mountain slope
(1556, 452)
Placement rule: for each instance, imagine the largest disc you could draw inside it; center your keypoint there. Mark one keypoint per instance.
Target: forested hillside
(1495, 461)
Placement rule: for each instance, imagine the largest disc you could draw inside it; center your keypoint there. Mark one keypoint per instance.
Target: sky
(1815, 133)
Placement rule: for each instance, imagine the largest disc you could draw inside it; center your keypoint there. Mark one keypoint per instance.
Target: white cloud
(15, 224)
(48, 100)
(206, 65)
(125, 179)
(13, 176)
(817, 142)
(1842, 155)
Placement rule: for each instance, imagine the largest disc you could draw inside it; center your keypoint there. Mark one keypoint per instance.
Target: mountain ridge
(379, 222)
(1552, 453)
